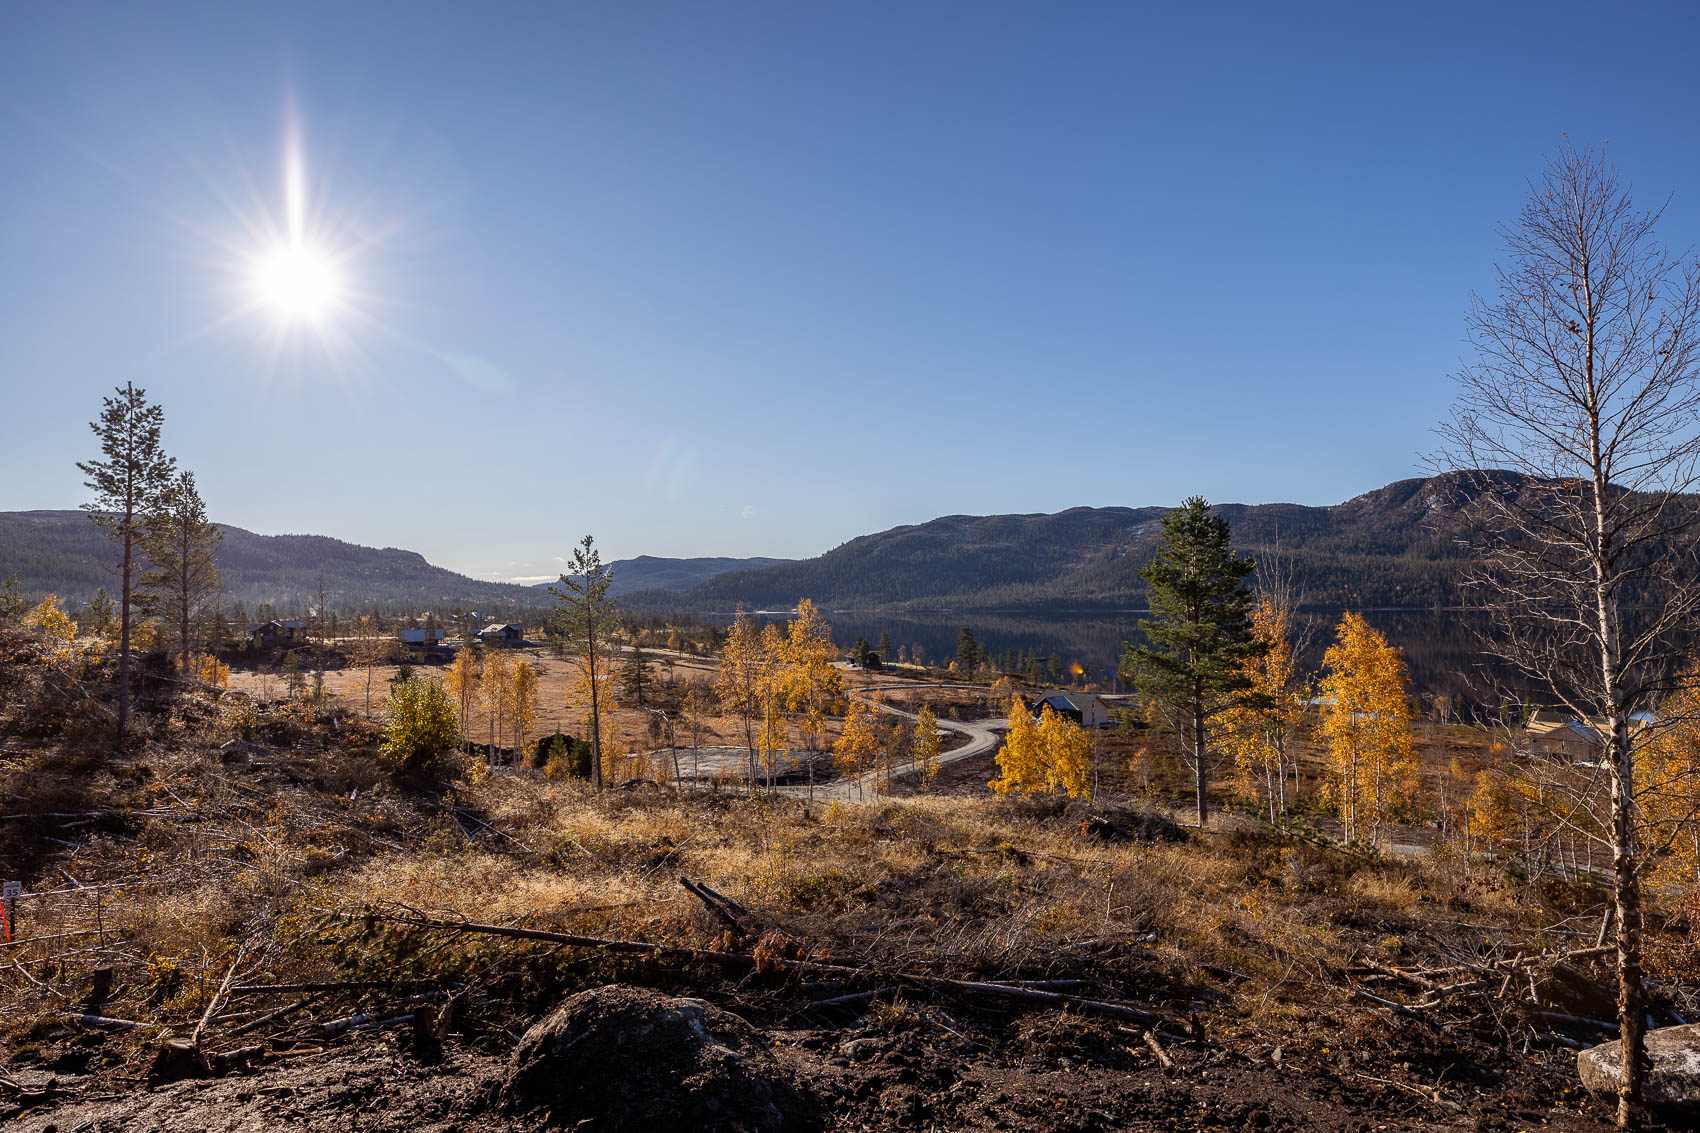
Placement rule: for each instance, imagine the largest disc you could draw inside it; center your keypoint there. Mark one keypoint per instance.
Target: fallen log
(256, 1024)
(219, 996)
(103, 1021)
(739, 959)
(715, 904)
(345, 985)
(1037, 995)
(1157, 1049)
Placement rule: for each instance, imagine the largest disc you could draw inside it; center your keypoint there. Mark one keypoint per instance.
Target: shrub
(423, 726)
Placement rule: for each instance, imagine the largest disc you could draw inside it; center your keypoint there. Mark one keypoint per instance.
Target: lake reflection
(1443, 656)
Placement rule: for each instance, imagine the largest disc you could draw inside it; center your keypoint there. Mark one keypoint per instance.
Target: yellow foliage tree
(462, 684)
(857, 746)
(1067, 754)
(209, 670)
(771, 686)
(812, 683)
(927, 743)
(523, 705)
(1020, 759)
(50, 620)
(496, 688)
(739, 681)
(1668, 788)
(1366, 724)
(1050, 754)
(1490, 817)
(1258, 733)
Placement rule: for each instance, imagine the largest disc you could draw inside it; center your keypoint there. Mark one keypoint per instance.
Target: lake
(1443, 656)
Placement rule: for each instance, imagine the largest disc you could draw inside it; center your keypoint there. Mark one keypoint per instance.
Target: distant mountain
(63, 552)
(1393, 547)
(1396, 546)
(647, 572)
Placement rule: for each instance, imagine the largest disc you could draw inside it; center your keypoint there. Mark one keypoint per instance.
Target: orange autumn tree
(1366, 725)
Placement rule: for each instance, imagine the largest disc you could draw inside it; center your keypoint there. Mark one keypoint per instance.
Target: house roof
(1073, 701)
(499, 627)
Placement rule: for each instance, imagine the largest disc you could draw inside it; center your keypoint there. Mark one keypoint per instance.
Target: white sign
(11, 890)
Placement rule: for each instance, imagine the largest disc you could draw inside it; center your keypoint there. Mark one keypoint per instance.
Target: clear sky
(730, 278)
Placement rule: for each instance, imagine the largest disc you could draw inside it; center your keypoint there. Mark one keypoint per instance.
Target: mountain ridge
(1388, 547)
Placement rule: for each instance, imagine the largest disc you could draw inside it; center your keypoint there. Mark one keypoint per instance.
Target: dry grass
(216, 841)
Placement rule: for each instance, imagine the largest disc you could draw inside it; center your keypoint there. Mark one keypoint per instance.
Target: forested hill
(648, 572)
(64, 553)
(1395, 546)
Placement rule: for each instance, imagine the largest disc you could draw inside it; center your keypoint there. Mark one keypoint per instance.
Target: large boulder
(625, 1058)
(1672, 1081)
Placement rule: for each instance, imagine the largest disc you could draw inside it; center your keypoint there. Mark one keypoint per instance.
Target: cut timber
(1157, 1049)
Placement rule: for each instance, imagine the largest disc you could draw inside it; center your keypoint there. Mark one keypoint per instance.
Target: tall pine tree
(586, 616)
(1199, 636)
(127, 481)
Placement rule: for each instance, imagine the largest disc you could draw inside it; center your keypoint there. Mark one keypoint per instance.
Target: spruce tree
(967, 650)
(634, 674)
(1199, 636)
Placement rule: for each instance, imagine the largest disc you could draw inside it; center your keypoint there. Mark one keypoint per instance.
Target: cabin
(497, 633)
(1572, 741)
(1081, 707)
(275, 632)
(420, 638)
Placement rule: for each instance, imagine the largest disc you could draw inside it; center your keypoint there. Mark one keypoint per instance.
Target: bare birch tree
(1574, 443)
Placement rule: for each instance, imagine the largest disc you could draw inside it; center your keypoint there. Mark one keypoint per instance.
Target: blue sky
(726, 278)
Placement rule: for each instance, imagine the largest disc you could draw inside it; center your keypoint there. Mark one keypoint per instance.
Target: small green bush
(423, 725)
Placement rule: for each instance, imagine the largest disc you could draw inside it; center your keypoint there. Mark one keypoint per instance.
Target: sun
(298, 283)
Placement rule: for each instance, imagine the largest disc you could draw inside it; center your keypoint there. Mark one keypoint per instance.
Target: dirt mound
(630, 1059)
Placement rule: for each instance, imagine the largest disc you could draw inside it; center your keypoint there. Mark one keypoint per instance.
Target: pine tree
(183, 546)
(967, 650)
(585, 616)
(1200, 636)
(884, 647)
(97, 619)
(634, 674)
(127, 482)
